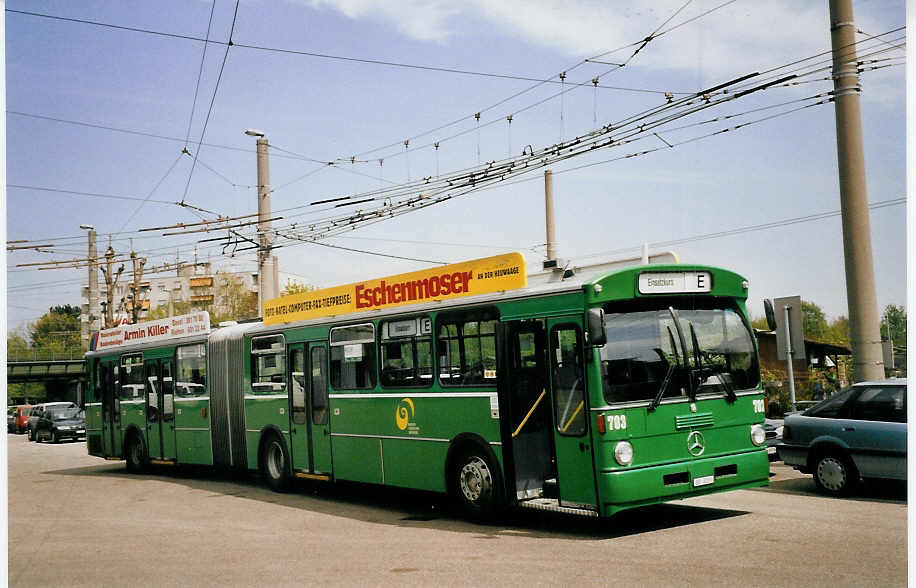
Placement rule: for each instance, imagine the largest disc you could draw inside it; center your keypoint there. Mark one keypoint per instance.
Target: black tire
(275, 463)
(477, 485)
(31, 434)
(54, 438)
(835, 474)
(135, 455)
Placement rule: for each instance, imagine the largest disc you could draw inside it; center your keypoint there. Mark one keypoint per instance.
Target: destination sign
(469, 278)
(159, 330)
(674, 282)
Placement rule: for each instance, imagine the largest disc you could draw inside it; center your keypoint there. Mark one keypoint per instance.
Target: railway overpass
(64, 375)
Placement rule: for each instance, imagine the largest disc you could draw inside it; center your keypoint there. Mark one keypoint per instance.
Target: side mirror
(596, 337)
(771, 316)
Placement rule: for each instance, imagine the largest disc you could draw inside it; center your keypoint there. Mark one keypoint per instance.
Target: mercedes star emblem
(696, 444)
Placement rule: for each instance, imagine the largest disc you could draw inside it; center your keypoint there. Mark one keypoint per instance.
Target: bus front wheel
(475, 483)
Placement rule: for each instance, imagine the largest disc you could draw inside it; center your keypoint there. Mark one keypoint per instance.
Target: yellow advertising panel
(468, 278)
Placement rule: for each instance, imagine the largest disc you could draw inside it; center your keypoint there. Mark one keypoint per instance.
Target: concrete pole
(860, 273)
(267, 288)
(548, 207)
(94, 313)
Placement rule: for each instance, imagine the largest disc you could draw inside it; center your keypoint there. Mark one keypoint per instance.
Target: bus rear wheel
(475, 484)
(135, 455)
(275, 464)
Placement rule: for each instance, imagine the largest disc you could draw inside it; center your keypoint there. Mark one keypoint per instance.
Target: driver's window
(567, 379)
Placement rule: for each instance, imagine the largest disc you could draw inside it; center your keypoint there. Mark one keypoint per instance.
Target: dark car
(773, 430)
(38, 411)
(10, 418)
(60, 422)
(857, 433)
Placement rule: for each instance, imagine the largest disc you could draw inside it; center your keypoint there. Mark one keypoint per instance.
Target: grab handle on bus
(574, 415)
(528, 416)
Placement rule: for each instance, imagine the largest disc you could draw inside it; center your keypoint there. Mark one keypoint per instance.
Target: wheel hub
(831, 473)
(275, 461)
(475, 479)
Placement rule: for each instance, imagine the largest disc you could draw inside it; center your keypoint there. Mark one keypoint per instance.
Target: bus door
(525, 388)
(160, 408)
(575, 467)
(111, 409)
(309, 433)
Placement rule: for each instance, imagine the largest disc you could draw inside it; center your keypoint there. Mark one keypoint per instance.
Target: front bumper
(793, 455)
(623, 489)
(71, 434)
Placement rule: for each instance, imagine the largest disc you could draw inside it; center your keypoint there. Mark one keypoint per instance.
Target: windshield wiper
(661, 389)
(680, 335)
(713, 369)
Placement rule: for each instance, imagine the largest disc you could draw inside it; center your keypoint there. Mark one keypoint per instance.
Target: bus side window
(467, 349)
(268, 364)
(191, 370)
(132, 383)
(353, 357)
(407, 353)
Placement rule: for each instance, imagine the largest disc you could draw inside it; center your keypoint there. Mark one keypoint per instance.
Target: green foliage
(813, 321)
(232, 301)
(67, 309)
(894, 324)
(296, 287)
(56, 332)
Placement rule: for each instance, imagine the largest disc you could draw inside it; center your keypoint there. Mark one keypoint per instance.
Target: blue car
(857, 433)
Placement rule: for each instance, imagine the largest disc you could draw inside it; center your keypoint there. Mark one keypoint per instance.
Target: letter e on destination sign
(674, 282)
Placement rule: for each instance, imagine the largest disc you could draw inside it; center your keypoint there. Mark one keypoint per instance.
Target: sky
(107, 110)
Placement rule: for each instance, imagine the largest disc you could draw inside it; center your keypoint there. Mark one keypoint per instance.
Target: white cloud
(733, 40)
(424, 20)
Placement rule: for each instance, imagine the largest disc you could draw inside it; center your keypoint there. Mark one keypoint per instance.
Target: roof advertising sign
(159, 330)
(469, 278)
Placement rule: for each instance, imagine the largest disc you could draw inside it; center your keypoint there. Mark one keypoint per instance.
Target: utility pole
(548, 207)
(111, 282)
(865, 338)
(137, 304)
(267, 263)
(92, 319)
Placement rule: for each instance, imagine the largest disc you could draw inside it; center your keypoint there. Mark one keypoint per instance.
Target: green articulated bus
(589, 391)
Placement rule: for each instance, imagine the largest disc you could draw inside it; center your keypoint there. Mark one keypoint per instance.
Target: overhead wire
(219, 78)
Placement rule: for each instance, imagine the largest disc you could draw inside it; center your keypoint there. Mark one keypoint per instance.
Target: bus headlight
(623, 453)
(758, 435)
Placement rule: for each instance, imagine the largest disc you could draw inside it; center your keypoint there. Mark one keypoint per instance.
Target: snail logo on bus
(468, 278)
(168, 328)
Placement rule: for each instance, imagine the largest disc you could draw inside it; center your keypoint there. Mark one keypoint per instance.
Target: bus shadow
(414, 508)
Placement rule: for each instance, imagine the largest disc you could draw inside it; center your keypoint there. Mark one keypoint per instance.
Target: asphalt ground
(77, 520)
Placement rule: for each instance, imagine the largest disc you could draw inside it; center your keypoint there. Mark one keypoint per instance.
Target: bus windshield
(701, 346)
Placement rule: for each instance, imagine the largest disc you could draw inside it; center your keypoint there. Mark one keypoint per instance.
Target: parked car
(36, 413)
(57, 423)
(773, 430)
(20, 418)
(10, 418)
(857, 433)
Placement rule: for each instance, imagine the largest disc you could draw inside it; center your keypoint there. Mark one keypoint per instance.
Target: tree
(296, 287)
(233, 301)
(813, 321)
(894, 324)
(57, 331)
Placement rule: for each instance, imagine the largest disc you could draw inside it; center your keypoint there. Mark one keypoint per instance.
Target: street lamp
(254, 133)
